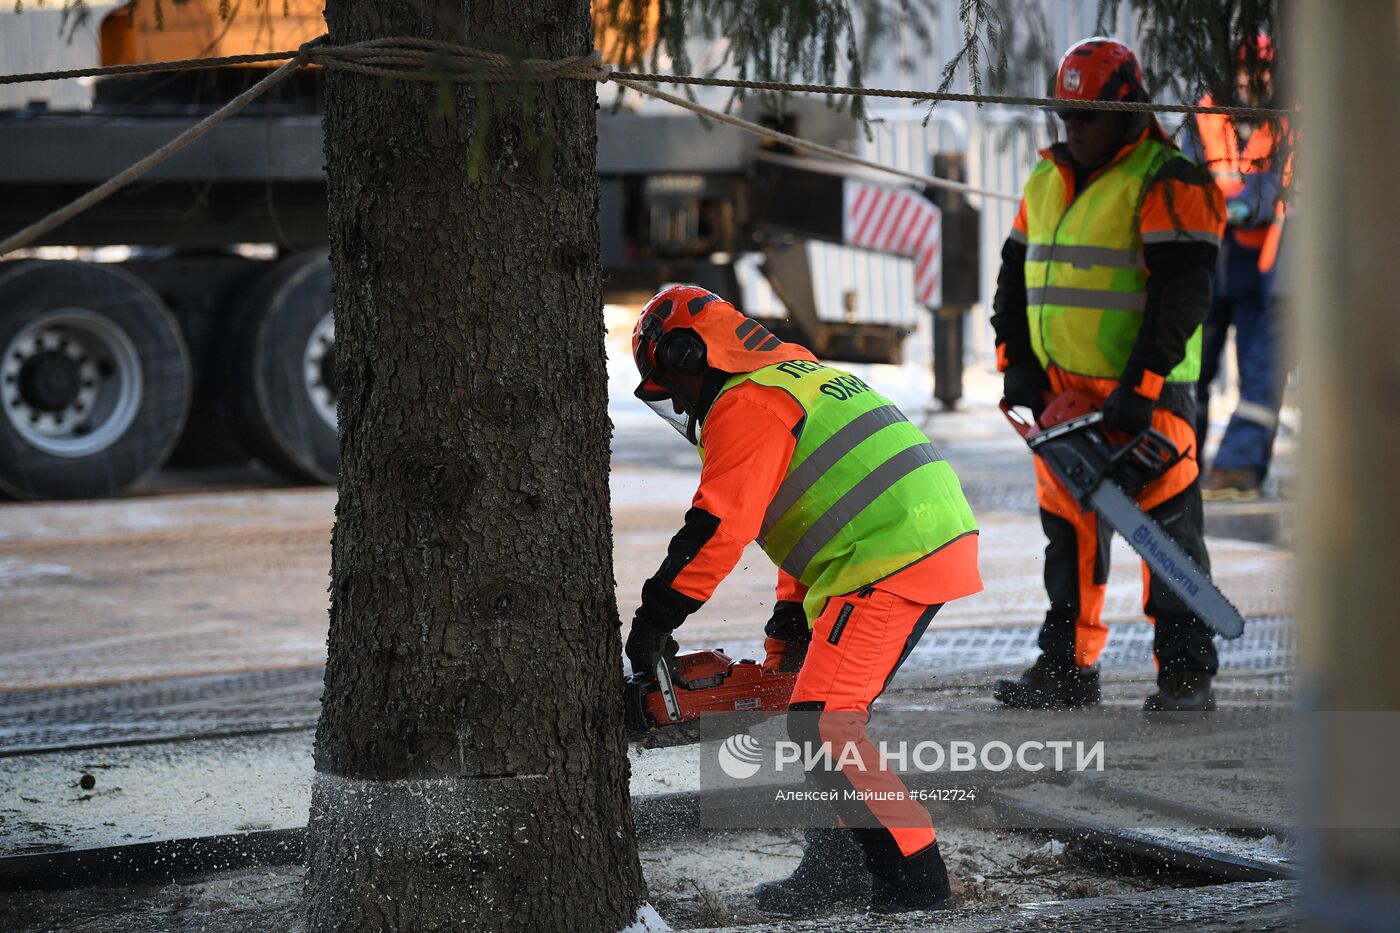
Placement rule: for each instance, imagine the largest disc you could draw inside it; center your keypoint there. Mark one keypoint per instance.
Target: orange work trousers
(858, 642)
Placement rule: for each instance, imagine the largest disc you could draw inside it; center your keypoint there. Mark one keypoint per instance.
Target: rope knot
(411, 59)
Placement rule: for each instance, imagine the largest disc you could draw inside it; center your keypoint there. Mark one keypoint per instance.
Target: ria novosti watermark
(741, 756)
(1002, 768)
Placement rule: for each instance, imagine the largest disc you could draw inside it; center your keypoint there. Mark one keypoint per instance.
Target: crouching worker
(871, 533)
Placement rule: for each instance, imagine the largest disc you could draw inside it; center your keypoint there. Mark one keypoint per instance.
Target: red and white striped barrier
(894, 220)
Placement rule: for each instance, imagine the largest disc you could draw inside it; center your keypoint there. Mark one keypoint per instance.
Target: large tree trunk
(471, 771)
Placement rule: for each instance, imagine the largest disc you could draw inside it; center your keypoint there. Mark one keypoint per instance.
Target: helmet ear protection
(681, 351)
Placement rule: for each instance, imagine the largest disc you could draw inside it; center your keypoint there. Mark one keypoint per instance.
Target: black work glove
(1026, 384)
(1127, 411)
(788, 636)
(647, 643)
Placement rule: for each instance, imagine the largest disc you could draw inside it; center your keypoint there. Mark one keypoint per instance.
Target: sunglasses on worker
(1083, 116)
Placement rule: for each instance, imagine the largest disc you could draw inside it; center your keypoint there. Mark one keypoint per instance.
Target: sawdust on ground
(694, 881)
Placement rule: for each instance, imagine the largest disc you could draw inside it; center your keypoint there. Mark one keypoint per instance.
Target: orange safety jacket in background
(1229, 163)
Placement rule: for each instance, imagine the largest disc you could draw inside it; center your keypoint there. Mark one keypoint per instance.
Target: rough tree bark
(471, 771)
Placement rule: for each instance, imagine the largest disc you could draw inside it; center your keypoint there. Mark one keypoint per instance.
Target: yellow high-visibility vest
(866, 494)
(1086, 280)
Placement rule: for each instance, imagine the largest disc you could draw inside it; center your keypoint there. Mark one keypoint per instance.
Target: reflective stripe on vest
(1087, 298)
(856, 432)
(866, 494)
(1086, 255)
(1086, 278)
(837, 518)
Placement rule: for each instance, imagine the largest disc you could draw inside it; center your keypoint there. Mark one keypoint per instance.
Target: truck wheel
(94, 380)
(286, 378)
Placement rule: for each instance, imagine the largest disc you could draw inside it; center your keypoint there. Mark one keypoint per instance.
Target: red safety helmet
(690, 330)
(1100, 68)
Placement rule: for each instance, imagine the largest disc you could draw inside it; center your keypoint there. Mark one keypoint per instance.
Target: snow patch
(648, 921)
(671, 770)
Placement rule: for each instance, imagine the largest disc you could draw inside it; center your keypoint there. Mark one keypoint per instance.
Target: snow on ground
(204, 787)
(665, 770)
(708, 879)
(117, 518)
(648, 921)
(144, 793)
(694, 881)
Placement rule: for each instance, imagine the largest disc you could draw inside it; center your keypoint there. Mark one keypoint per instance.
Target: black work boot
(831, 874)
(919, 882)
(1050, 683)
(1181, 692)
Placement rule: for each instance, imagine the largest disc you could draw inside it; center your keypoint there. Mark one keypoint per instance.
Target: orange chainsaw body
(710, 681)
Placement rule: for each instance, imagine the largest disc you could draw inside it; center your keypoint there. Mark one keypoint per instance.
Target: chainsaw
(1070, 440)
(661, 704)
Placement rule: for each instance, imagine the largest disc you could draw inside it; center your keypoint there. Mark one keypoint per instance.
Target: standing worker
(1104, 283)
(1244, 159)
(871, 533)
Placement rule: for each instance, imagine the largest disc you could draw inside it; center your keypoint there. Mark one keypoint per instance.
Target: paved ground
(195, 581)
(267, 901)
(200, 610)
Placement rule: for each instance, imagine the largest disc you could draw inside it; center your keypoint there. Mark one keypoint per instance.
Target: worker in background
(1245, 161)
(1105, 280)
(871, 533)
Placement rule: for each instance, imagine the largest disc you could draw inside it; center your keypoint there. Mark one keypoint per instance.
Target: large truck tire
(94, 380)
(206, 293)
(284, 386)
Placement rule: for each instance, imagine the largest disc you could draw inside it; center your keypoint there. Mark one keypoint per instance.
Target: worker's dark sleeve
(1182, 219)
(664, 606)
(748, 445)
(1013, 333)
(1178, 297)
